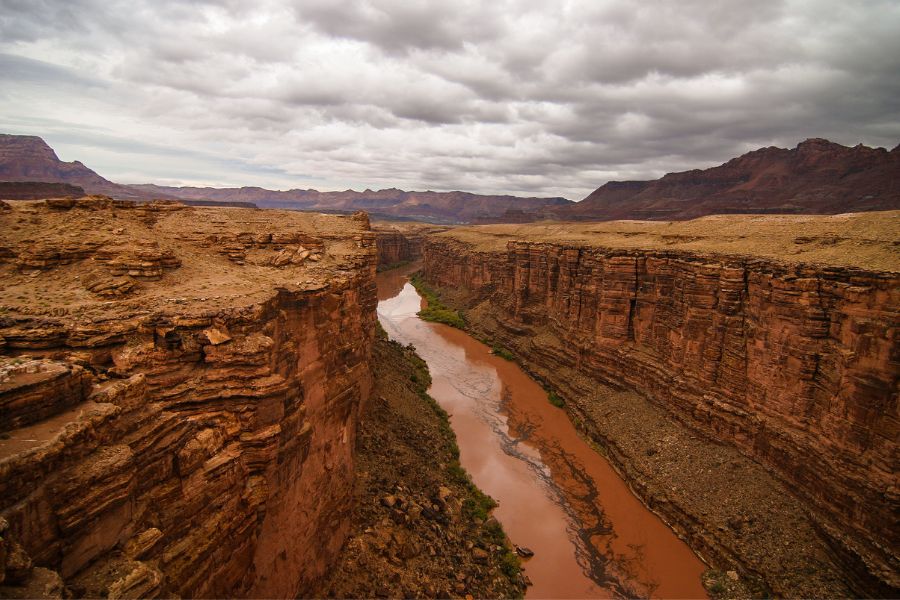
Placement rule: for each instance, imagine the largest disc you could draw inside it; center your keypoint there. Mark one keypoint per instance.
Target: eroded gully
(591, 536)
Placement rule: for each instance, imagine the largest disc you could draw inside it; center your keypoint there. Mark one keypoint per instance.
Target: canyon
(589, 536)
(195, 402)
(401, 243)
(741, 372)
(385, 299)
(419, 528)
(179, 392)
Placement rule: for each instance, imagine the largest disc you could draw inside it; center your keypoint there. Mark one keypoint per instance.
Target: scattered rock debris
(420, 528)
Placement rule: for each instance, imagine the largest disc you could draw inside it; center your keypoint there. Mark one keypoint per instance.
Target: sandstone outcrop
(34, 390)
(791, 360)
(193, 435)
(401, 242)
(274, 249)
(395, 247)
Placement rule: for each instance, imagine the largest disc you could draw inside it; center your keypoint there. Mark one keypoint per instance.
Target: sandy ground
(865, 240)
(199, 238)
(408, 227)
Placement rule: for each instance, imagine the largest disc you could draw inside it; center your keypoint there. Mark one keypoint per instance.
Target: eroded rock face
(395, 247)
(33, 390)
(401, 242)
(195, 438)
(796, 365)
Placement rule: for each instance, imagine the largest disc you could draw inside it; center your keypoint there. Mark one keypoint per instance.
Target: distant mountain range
(445, 207)
(816, 177)
(29, 159)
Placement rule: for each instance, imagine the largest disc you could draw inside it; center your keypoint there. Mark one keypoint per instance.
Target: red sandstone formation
(816, 177)
(177, 407)
(401, 242)
(395, 247)
(777, 335)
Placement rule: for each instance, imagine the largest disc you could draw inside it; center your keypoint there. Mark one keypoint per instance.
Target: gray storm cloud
(516, 96)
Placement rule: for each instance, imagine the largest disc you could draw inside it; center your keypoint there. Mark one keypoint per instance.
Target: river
(592, 538)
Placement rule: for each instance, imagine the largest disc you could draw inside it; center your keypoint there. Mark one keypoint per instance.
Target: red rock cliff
(395, 247)
(401, 242)
(213, 454)
(796, 365)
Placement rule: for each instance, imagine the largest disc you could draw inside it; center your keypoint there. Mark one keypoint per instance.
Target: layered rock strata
(794, 364)
(395, 247)
(193, 437)
(400, 243)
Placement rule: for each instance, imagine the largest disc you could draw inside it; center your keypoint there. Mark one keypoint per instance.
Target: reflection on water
(590, 535)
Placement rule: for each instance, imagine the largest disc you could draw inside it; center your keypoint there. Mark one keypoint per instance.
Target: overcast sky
(528, 97)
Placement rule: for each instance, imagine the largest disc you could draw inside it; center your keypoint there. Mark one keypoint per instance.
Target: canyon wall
(795, 365)
(193, 433)
(401, 242)
(395, 247)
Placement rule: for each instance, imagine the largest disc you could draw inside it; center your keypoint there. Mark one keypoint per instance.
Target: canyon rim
(406, 299)
(183, 386)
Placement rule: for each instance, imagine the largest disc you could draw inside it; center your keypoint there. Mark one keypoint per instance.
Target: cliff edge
(772, 335)
(179, 393)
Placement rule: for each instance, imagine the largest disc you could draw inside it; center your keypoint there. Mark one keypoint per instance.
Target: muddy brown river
(591, 537)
